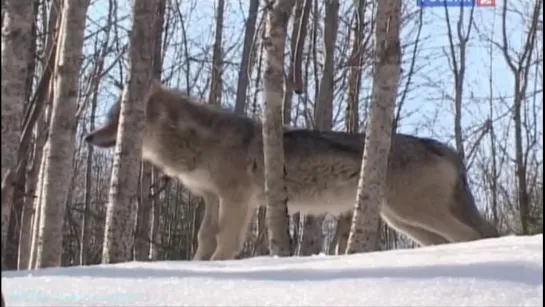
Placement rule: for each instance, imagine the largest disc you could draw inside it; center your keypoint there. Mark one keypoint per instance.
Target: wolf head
(105, 136)
(161, 106)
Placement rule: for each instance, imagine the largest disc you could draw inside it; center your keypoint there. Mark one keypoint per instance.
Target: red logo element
(486, 2)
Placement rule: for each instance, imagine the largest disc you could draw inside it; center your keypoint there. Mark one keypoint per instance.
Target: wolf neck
(219, 123)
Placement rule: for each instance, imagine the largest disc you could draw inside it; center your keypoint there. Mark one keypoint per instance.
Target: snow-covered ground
(496, 272)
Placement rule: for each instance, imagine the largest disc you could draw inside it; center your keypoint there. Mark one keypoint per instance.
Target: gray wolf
(218, 155)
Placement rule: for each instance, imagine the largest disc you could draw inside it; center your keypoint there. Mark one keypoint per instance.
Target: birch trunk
(313, 236)
(273, 77)
(364, 231)
(520, 63)
(29, 210)
(28, 244)
(457, 59)
(143, 225)
(23, 157)
(214, 96)
(323, 114)
(157, 70)
(59, 149)
(85, 221)
(244, 73)
(40, 184)
(339, 241)
(17, 19)
(354, 68)
(122, 206)
(298, 22)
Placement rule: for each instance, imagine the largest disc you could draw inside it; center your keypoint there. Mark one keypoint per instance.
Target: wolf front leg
(209, 228)
(234, 218)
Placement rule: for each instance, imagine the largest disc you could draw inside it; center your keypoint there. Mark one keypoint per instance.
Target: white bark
(59, 149)
(273, 82)
(17, 21)
(364, 230)
(122, 205)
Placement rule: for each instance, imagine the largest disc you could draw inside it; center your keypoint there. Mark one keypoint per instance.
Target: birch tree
(214, 95)
(143, 219)
(17, 19)
(292, 85)
(157, 71)
(121, 211)
(244, 71)
(85, 222)
(59, 148)
(205, 234)
(355, 63)
(520, 63)
(38, 121)
(298, 38)
(274, 41)
(457, 61)
(313, 237)
(370, 194)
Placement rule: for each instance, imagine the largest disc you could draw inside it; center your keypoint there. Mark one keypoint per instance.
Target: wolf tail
(468, 210)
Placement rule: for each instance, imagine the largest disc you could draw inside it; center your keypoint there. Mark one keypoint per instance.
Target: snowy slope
(497, 272)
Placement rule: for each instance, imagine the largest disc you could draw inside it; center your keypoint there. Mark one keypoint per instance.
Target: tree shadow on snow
(510, 271)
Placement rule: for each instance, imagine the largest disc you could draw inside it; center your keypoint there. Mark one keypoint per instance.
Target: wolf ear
(157, 107)
(155, 87)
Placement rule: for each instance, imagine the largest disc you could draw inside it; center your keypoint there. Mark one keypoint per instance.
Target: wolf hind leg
(465, 210)
(235, 213)
(449, 226)
(342, 232)
(209, 228)
(432, 210)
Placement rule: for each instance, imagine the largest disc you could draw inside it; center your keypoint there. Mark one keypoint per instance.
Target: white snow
(496, 272)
